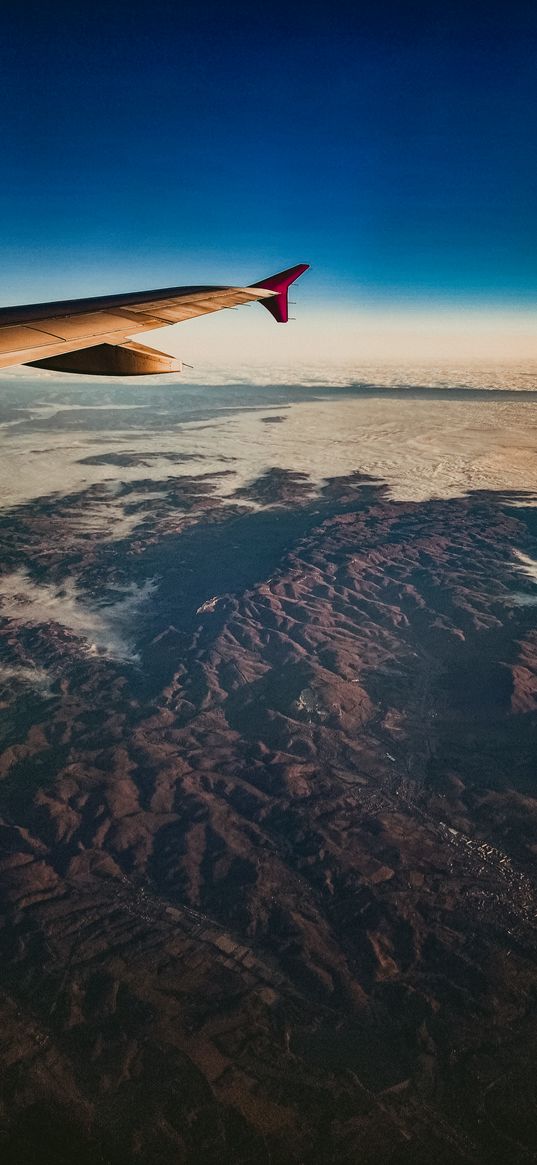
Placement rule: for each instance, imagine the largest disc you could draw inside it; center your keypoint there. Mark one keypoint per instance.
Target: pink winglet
(277, 305)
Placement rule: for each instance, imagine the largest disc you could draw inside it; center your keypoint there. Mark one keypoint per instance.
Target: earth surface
(268, 787)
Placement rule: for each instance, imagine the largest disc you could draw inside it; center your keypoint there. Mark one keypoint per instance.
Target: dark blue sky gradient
(393, 146)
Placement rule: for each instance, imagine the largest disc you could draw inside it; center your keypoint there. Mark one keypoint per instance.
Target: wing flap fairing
(130, 359)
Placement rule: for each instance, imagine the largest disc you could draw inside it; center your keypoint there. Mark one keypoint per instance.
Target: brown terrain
(268, 894)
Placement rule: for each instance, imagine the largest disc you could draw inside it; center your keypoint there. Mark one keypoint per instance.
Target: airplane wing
(96, 335)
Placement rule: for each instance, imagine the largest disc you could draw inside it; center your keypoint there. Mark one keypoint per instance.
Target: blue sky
(152, 144)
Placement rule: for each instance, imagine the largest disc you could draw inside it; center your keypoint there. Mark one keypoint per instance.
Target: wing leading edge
(95, 335)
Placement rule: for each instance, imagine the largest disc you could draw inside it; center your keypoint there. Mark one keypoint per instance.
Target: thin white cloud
(104, 630)
(31, 677)
(526, 565)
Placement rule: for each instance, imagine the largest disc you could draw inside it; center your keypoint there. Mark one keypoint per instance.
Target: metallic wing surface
(96, 335)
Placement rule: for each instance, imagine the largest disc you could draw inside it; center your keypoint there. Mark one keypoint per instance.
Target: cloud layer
(104, 629)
